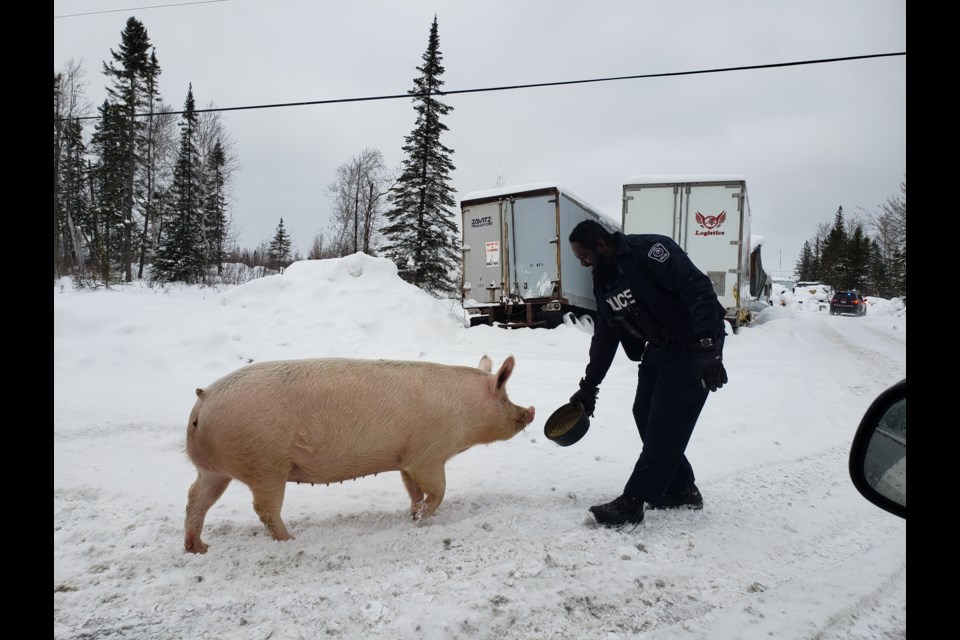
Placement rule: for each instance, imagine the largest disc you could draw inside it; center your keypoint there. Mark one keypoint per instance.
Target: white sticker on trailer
(493, 254)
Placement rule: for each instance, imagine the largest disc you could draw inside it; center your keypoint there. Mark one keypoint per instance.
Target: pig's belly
(326, 464)
(328, 475)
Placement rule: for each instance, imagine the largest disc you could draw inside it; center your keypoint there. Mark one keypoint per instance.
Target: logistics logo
(710, 223)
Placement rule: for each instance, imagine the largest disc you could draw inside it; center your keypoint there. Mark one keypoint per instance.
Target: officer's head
(594, 246)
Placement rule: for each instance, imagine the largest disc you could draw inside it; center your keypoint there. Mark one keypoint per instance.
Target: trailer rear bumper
(515, 314)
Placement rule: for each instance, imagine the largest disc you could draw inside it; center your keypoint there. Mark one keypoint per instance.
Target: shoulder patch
(658, 252)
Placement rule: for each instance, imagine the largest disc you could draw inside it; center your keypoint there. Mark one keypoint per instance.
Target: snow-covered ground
(784, 548)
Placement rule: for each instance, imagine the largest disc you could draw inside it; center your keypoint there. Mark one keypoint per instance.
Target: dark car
(848, 302)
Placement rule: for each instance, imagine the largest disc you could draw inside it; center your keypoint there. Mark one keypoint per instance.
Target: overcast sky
(807, 138)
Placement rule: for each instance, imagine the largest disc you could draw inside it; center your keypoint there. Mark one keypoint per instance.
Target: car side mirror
(878, 455)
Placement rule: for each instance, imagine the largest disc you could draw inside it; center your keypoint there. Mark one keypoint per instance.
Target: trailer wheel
(734, 324)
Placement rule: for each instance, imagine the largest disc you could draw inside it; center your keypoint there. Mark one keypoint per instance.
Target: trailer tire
(734, 324)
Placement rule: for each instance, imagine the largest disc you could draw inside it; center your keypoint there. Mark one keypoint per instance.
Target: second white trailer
(709, 217)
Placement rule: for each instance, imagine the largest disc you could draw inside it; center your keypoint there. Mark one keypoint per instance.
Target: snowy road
(784, 548)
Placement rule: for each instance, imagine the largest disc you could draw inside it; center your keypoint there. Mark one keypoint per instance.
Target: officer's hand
(709, 370)
(587, 396)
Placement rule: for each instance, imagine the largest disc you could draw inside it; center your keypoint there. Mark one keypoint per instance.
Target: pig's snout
(525, 416)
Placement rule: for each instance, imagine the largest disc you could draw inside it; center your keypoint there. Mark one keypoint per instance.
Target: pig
(327, 420)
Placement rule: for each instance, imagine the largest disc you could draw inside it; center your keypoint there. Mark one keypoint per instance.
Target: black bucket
(567, 425)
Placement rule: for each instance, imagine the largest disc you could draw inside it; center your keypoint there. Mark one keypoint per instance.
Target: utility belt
(636, 333)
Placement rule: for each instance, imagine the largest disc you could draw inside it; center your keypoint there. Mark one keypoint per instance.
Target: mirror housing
(878, 455)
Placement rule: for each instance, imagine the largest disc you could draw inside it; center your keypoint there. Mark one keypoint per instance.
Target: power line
(156, 6)
(516, 86)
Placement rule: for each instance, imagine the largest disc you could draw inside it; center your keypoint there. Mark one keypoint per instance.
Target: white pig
(332, 419)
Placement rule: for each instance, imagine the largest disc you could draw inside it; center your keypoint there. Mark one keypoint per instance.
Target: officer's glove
(708, 368)
(586, 396)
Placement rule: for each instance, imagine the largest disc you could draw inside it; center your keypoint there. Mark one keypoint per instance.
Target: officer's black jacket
(657, 296)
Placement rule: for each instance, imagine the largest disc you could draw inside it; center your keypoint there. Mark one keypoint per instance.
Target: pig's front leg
(267, 501)
(433, 483)
(414, 491)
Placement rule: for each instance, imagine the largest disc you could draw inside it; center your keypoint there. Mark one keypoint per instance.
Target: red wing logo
(711, 222)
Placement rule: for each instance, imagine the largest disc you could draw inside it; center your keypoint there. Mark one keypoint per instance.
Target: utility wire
(156, 6)
(512, 87)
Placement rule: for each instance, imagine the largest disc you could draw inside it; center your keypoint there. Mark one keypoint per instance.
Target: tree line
(146, 193)
(868, 255)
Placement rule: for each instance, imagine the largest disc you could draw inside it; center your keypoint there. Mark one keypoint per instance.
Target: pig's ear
(504, 374)
(486, 364)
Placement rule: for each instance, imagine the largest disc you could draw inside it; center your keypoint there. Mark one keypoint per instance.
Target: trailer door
(711, 236)
(482, 253)
(533, 240)
(652, 209)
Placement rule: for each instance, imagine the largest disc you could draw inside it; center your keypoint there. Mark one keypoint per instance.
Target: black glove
(587, 396)
(708, 368)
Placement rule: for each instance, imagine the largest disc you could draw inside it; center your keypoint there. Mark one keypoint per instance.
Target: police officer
(662, 309)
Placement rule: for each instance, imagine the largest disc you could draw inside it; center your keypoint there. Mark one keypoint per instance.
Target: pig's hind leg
(204, 492)
(267, 501)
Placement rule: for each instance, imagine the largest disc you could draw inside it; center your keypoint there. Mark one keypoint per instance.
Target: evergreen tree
(858, 262)
(878, 269)
(73, 196)
(215, 209)
(421, 231)
(805, 265)
(279, 251)
(833, 262)
(899, 276)
(181, 254)
(110, 181)
(128, 92)
(219, 162)
(153, 141)
(876, 264)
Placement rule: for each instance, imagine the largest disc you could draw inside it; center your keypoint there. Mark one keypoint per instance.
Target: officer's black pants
(668, 402)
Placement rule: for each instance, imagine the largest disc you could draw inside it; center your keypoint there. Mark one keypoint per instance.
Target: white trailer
(709, 217)
(518, 268)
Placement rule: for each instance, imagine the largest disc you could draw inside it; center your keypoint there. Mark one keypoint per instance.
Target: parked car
(878, 455)
(850, 302)
(814, 294)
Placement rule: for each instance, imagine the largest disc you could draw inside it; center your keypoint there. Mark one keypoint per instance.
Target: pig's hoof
(195, 547)
(193, 543)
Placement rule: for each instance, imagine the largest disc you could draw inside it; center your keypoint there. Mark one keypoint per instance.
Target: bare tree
(318, 250)
(160, 157)
(70, 104)
(889, 230)
(358, 193)
(888, 226)
(217, 153)
(210, 131)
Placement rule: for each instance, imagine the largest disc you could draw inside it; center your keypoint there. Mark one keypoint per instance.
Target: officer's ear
(601, 245)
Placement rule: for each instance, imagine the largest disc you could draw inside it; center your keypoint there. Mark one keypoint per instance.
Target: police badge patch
(658, 252)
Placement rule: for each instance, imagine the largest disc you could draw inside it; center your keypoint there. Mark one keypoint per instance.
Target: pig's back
(335, 416)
